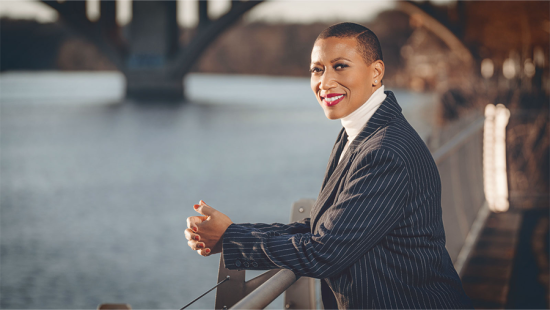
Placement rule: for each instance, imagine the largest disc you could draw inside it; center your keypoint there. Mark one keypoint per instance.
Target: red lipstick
(334, 101)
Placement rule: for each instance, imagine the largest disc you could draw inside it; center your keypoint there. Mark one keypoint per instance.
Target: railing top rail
(268, 291)
(448, 148)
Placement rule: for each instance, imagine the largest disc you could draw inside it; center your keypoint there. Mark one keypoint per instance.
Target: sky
(286, 11)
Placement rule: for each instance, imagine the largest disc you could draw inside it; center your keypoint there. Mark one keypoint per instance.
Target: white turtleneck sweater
(356, 120)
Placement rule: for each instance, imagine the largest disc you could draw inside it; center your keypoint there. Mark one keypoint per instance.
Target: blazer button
(238, 263)
(246, 264)
(254, 264)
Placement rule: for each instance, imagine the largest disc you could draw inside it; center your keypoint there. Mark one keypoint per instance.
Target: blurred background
(117, 116)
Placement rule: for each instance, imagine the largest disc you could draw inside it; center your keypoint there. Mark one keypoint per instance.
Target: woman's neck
(356, 120)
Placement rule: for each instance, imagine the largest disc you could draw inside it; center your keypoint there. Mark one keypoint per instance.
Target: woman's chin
(331, 115)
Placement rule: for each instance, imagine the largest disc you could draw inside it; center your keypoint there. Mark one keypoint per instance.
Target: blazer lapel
(335, 154)
(335, 172)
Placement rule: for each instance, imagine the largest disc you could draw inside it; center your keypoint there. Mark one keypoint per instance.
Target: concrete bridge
(151, 58)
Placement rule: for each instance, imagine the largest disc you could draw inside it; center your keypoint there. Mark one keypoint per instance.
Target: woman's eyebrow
(339, 58)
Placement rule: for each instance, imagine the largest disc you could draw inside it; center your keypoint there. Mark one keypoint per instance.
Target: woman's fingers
(193, 221)
(204, 252)
(195, 245)
(190, 235)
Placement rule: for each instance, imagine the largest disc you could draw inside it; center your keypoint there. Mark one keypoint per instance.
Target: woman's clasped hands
(205, 233)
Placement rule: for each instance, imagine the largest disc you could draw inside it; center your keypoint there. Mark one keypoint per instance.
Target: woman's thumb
(204, 209)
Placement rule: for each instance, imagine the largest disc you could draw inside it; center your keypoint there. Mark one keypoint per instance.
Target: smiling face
(340, 78)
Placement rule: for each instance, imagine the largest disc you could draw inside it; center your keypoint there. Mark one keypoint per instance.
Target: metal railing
(460, 163)
(260, 291)
(464, 213)
(268, 291)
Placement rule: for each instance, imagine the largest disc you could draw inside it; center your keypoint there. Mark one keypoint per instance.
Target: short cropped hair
(368, 44)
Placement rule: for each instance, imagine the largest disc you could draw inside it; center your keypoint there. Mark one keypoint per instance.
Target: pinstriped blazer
(375, 235)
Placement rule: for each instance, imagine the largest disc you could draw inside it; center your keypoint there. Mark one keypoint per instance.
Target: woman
(375, 235)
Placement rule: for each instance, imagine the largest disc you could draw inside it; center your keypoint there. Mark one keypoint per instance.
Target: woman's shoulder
(398, 137)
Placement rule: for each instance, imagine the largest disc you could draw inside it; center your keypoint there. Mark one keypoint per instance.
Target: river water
(95, 190)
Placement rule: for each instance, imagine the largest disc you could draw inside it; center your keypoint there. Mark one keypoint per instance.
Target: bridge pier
(153, 84)
(153, 41)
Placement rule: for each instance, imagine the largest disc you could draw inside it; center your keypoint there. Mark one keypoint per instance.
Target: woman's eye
(340, 66)
(315, 70)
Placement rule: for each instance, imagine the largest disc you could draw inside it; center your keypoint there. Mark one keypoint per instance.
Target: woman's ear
(378, 72)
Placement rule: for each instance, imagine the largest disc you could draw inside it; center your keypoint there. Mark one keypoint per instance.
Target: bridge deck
(509, 265)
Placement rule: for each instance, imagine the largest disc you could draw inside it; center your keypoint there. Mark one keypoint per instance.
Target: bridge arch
(151, 58)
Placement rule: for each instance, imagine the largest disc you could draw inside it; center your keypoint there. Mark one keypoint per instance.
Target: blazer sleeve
(302, 226)
(367, 208)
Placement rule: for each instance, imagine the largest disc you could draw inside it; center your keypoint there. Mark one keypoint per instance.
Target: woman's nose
(327, 81)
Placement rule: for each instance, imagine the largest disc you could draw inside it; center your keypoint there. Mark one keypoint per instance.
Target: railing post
(301, 295)
(233, 290)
